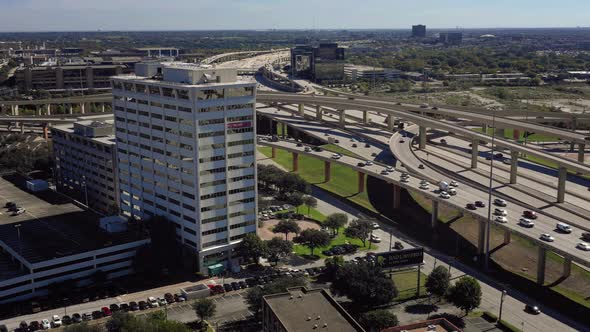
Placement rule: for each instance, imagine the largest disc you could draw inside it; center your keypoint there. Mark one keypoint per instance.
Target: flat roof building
(418, 31)
(86, 163)
(451, 38)
(368, 73)
(322, 63)
(186, 151)
(302, 309)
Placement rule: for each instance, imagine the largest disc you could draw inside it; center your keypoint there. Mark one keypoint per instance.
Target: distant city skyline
(75, 15)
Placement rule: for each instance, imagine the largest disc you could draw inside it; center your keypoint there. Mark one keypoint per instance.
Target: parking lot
(230, 308)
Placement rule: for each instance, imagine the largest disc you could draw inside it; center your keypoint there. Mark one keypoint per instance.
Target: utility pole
(501, 304)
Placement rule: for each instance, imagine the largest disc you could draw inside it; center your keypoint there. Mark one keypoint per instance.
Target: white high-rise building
(186, 150)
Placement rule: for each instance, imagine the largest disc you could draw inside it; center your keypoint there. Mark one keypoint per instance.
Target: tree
(286, 226)
(204, 308)
(84, 327)
(335, 221)
(314, 238)
(277, 248)
(333, 264)
(118, 320)
(295, 199)
(465, 294)
(360, 229)
(377, 320)
(251, 248)
(254, 295)
(310, 202)
(364, 284)
(438, 281)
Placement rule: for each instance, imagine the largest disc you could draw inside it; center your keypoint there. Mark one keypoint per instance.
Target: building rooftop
(53, 226)
(98, 127)
(301, 309)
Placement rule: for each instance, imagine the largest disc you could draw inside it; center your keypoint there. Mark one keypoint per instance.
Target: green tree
(285, 227)
(83, 327)
(314, 238)
(333, 264)
(335, 221)
(310, 202)
(364, 284)
(118, 320)
(438, 281)
(360, 229)
(377, 320)
(254, 295)
(251, 248)
(204, 308)
(295, 199)
(465, 294)
(277, 249)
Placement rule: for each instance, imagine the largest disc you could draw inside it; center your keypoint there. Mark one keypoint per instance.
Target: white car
(18, 211)
(424, 186)
(56, 321)
(384, 172)
(547, 237)
(583, 246)
(162, 302)
(336, 156)
(405, 180)
(499, 202)
(501, 219)
(375, 239)
(45, 325)
(405, 175)
(445, 195)
(153, 302)
(368, 163)
(526, 222)
(375, 225)
(500, 212)
(424, 182)
(389, 168)
(454, 184)
(452, 192)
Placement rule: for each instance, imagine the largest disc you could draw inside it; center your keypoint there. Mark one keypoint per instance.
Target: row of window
(223, 193)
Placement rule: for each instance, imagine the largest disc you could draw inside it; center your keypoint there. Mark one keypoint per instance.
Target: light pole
(488, 224)
(17, 226)
(501, 304)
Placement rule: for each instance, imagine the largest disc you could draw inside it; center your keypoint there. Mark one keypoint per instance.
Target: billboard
(399, 258)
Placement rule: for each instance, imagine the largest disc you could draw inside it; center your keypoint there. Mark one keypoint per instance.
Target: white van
(563, 227)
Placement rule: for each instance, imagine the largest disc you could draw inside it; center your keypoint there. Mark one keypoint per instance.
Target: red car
(530, 214)
(106, 311)
(217, 289)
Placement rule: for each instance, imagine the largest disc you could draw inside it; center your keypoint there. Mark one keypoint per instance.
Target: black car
(124, 307)
(336, 141)
(97, 314)
(143, 305)
(66, 320)
(251, 282)
(354, 145)
(299, 144)
(532, 309)
(133, 306)
(480, 204)
(360, 164)
(398, 245)
(243, 284)
(471, 206)
(227, 287)
(114, 307)
(10, 205)
(235, 285)
(367, 145)
(76, 318)
(317, 149)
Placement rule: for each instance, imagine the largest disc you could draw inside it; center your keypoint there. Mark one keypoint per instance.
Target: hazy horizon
(187, 15)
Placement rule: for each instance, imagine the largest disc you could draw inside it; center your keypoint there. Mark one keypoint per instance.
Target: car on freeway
(405, 175)
(452, 191)
(501, 219)
(106, 311)
(317, 149)
(336, 156)
(500, 202)
(153, 302)
(307, 149)
(529, 214)
(564, 228)
(405, 180)
(443, 141)
(453, 184)
(471, 206)
(367, 145)
(354, 145)
(532, 309)
(373, 154)
(384, 172)
(56, 321)
(10, 205)
(360, 164)
(445, 195)
(586, 236)
(299, 145)
(500, 212)
(76, 318)
(402, 140)
(480, 204)
(583, 246)
(424, 186)
(45, 324)
(389, 168)
(421, 166)
(526, 222)
(336, 141)
(368, 163)
(547, 237)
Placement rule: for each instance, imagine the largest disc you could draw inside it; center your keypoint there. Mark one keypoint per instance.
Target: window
(214, 231)
(182, 94)
(213, 219)
(240, 92)
(210, 94)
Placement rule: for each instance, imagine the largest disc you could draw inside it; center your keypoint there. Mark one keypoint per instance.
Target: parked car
(162, 302)
(227, 287)
(76, 318)
(242, 284)
(97, 314)
(45, 324)
(34, 326)
(133, 306)
(124, 307)
(152, 302)
(398, 245)
(114, 307)
(169, 298)
(235, 285)
(143, 305)
(181, 298)
(529, 214)
(375, 239)
(86, 316)
(106, 311)
(56, 321)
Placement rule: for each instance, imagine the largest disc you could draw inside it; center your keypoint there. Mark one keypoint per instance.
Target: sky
(91, 15)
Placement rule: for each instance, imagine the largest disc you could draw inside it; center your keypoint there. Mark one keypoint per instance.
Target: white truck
(443, 186)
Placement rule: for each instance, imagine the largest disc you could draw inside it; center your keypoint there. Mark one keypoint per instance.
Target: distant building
(451, 38)
(301, 309)
(86, 163)
(158, 52)
(418, 31)
(321, 63)
(433, 325)
(358, 72)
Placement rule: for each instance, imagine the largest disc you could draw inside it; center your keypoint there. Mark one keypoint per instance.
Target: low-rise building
(302, 309)
(86, 163)
(359, 72)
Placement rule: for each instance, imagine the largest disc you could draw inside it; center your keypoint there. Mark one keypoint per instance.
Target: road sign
(398, 258)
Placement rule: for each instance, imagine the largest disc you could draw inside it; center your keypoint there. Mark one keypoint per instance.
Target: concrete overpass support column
(365, 117)
(295, 162)
(581, 151)
(567, 267)
(102, 107)
(361, 184)
(38, 109)
(342, 117)
(474, 153)
(82, 108)
(541, 266)
(14, 110)
(562, 177)
(273, 152)
(481, 238)
(434, 215)
(22, 127)
(48, 109)
(301, 110)
(318, 113)
(327, 171)
(396, 196)
(70, 109)
(513, 166)
(390, 122)
(45, 132)
(422, 138)
(507, 236)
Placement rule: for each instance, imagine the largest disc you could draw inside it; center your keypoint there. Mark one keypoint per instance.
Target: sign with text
(236, 125)
(398, 258)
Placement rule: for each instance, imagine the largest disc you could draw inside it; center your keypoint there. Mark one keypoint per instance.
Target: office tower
(419, 31)
(186, 149)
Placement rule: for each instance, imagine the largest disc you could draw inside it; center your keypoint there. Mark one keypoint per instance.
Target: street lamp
(501, 304)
